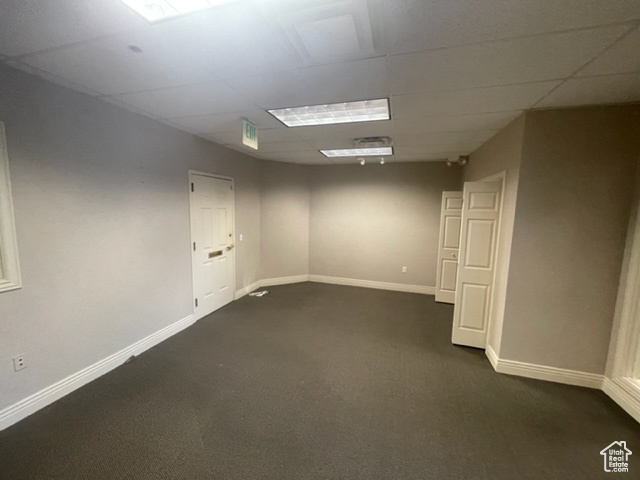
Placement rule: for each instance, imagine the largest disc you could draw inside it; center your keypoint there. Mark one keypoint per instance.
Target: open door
(476, 266)
(448, 246)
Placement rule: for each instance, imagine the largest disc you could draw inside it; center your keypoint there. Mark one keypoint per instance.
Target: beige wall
(367, 222)
(502, 153)
(102, 217)
(574, 196)
(285, 220)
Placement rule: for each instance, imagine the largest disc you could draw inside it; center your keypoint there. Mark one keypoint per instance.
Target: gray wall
(367, 222)
(285, 220)
(574, 197)
(502, 153)
(102, 217)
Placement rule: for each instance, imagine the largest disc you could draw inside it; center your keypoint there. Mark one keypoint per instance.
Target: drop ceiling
(455, 71)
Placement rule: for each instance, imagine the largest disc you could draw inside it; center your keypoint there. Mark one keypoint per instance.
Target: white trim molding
(269, 282)
(624, 394)
(50, 394)
(352, 282)
(9, 263)
(246, 290)
(491, 355)
(544, 372)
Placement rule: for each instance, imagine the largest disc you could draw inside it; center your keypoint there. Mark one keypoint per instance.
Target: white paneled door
(212, 242)
(476, 266)
(448, 245)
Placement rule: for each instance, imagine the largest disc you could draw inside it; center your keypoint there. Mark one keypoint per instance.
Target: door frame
(233, 201)
(622, 381)
(441, 242)
(502, 178)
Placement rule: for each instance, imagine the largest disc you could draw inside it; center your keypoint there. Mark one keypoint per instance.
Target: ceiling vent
(372, 142)
(322, 31)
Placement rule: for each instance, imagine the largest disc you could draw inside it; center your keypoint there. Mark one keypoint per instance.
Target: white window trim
(10, 268)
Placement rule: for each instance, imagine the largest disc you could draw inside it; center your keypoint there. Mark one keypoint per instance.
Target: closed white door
(212, 242)
(476, 266)
(448, 245)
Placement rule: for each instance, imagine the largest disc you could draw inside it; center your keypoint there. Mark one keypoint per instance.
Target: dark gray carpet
(319, 382)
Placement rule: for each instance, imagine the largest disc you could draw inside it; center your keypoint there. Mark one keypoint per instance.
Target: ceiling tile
(30, 26)
(228, 122)
(444, 138)
(274, 135)
(622, 57)
(284, 147)
(51, 78)
(235, 40)
(414, 25)
(455, 123)
(107, 65)
(346, 131)
(595, 90)
(505, 62)
(201, 99)
(432, 152)
(462, 102)
(325, 31)
(340, 82)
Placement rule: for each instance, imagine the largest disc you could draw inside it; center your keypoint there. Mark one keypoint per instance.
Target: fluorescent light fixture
(358, 152)
(332, 113)
(156, 10)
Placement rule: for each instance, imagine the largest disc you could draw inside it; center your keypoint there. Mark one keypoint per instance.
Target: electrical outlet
(19, 363)
(404, 269)
(241, 237)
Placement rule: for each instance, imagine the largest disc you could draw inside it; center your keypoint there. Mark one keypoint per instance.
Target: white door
(478, 243)
(212, 242)
(448, 244)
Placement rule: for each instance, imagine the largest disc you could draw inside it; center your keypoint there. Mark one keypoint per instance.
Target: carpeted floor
(319, 382)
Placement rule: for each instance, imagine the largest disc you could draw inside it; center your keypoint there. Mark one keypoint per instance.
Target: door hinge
(231, 187)
(196, 302)
(194, 246)
(192, 187)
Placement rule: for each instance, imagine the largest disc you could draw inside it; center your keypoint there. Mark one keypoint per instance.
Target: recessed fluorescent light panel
(358, 152)
(156, 10)
(332, 113)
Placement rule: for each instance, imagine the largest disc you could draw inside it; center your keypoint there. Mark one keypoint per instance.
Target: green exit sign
(249, 135)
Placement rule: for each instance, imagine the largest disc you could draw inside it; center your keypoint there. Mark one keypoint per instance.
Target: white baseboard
(491, 355)
(246, 290)
(268, 282)
(623, 395)
(397, 287)
(544, 372)
(46, 396)
(352, 282)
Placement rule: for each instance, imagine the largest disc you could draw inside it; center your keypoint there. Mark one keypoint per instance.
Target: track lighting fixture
(461, 160)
